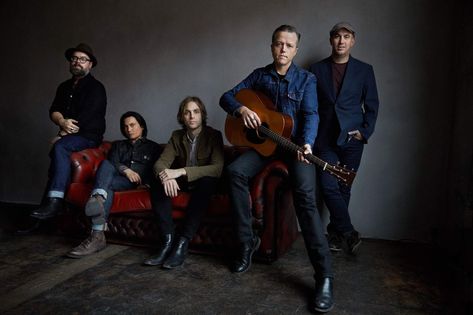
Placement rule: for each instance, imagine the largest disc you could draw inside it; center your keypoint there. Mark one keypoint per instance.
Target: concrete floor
(385, 278)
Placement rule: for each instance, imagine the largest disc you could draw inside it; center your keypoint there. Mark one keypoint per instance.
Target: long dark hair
(138, 118)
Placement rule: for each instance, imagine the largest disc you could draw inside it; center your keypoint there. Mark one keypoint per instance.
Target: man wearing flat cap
(79, 111)
(348, 107)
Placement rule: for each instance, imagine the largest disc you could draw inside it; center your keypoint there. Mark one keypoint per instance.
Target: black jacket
(86, 103)
(139, 157)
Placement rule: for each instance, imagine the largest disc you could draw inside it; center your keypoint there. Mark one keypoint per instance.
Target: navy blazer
(356, 106)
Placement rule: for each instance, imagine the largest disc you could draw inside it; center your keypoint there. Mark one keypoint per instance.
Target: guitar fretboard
(288, 145)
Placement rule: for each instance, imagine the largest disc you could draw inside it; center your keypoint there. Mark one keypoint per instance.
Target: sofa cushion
(138, 200)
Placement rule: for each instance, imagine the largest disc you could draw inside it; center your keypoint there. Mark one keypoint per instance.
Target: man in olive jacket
(191, 161)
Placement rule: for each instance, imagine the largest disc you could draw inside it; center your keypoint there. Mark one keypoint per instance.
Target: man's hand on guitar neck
(307, 150)
(250, 118)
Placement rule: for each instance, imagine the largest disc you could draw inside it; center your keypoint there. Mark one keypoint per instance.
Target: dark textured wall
(455, 235)
(460, 215)
(154, 53)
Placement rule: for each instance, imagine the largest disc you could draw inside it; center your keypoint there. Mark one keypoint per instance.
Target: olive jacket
(210, 157)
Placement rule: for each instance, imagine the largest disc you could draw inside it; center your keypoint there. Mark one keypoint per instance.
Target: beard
(77, 71)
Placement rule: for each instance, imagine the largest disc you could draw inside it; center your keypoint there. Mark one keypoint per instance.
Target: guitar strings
(279, 139)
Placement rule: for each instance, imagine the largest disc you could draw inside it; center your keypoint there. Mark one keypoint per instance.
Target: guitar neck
(278, 135)
(290, 146)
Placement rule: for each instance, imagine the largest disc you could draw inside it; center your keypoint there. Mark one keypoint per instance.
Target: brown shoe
(94, 243)
(94, 206)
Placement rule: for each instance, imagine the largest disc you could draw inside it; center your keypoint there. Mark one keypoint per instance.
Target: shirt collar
(192, 141)
(140, 140)
(81, 80)
(290, 72)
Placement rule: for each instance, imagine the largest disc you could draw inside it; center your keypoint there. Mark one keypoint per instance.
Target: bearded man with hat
(79, 111)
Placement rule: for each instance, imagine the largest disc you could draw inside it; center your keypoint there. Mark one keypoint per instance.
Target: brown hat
(341, 25)
(84, 48)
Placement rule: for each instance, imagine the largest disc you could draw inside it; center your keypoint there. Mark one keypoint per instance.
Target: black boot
(334, 239)
(351, 242)
(160, 257)
(178, 254)
(31, 226)
(49, 210)
(243, 261)
(323, 301)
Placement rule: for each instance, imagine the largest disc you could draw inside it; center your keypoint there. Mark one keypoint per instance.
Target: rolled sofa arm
(276, 169)
(86, 162)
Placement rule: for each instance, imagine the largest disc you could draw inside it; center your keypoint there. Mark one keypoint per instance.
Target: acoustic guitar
(275, 130)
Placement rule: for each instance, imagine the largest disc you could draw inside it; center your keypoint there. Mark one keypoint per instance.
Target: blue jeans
(107, 181)
(336, 195)
(201, 190)
(60, 167)
(302, 177)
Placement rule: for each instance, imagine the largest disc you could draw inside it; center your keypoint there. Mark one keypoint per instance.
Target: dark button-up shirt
(294, 95)
(85, 102)
(139, 157)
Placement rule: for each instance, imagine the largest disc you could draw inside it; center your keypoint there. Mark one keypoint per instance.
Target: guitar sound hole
(254, 137)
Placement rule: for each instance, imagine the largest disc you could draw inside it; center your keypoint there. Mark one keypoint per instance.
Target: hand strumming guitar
(250, 118)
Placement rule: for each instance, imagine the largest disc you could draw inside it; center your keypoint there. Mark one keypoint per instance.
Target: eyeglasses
(80, 60)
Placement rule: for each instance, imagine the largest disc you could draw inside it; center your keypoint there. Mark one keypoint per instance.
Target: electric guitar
(275, 130)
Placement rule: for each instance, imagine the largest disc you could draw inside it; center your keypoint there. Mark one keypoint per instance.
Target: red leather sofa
(131, 221)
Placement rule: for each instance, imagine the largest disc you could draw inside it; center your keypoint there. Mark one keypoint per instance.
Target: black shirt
(85, 102)
(139, 157)
(338, 73)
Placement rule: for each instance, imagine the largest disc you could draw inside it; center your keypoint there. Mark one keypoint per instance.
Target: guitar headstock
(343, 174)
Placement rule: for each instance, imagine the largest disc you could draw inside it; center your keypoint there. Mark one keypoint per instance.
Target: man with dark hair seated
(129, 165)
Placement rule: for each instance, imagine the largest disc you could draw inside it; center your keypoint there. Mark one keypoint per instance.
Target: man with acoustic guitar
(292, 90)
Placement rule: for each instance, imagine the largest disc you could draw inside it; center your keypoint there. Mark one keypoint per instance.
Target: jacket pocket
(294, 102)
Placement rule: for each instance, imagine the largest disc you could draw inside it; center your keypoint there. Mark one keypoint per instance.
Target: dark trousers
(336, 195)
(60, 167)
(107, 181)
(200, 190)
(302, 177)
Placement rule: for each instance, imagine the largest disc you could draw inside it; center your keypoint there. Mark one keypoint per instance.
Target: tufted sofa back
(131, 219)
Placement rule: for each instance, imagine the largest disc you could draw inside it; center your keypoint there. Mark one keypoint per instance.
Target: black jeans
(302, 177)
(201, 190)
(337, 195)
